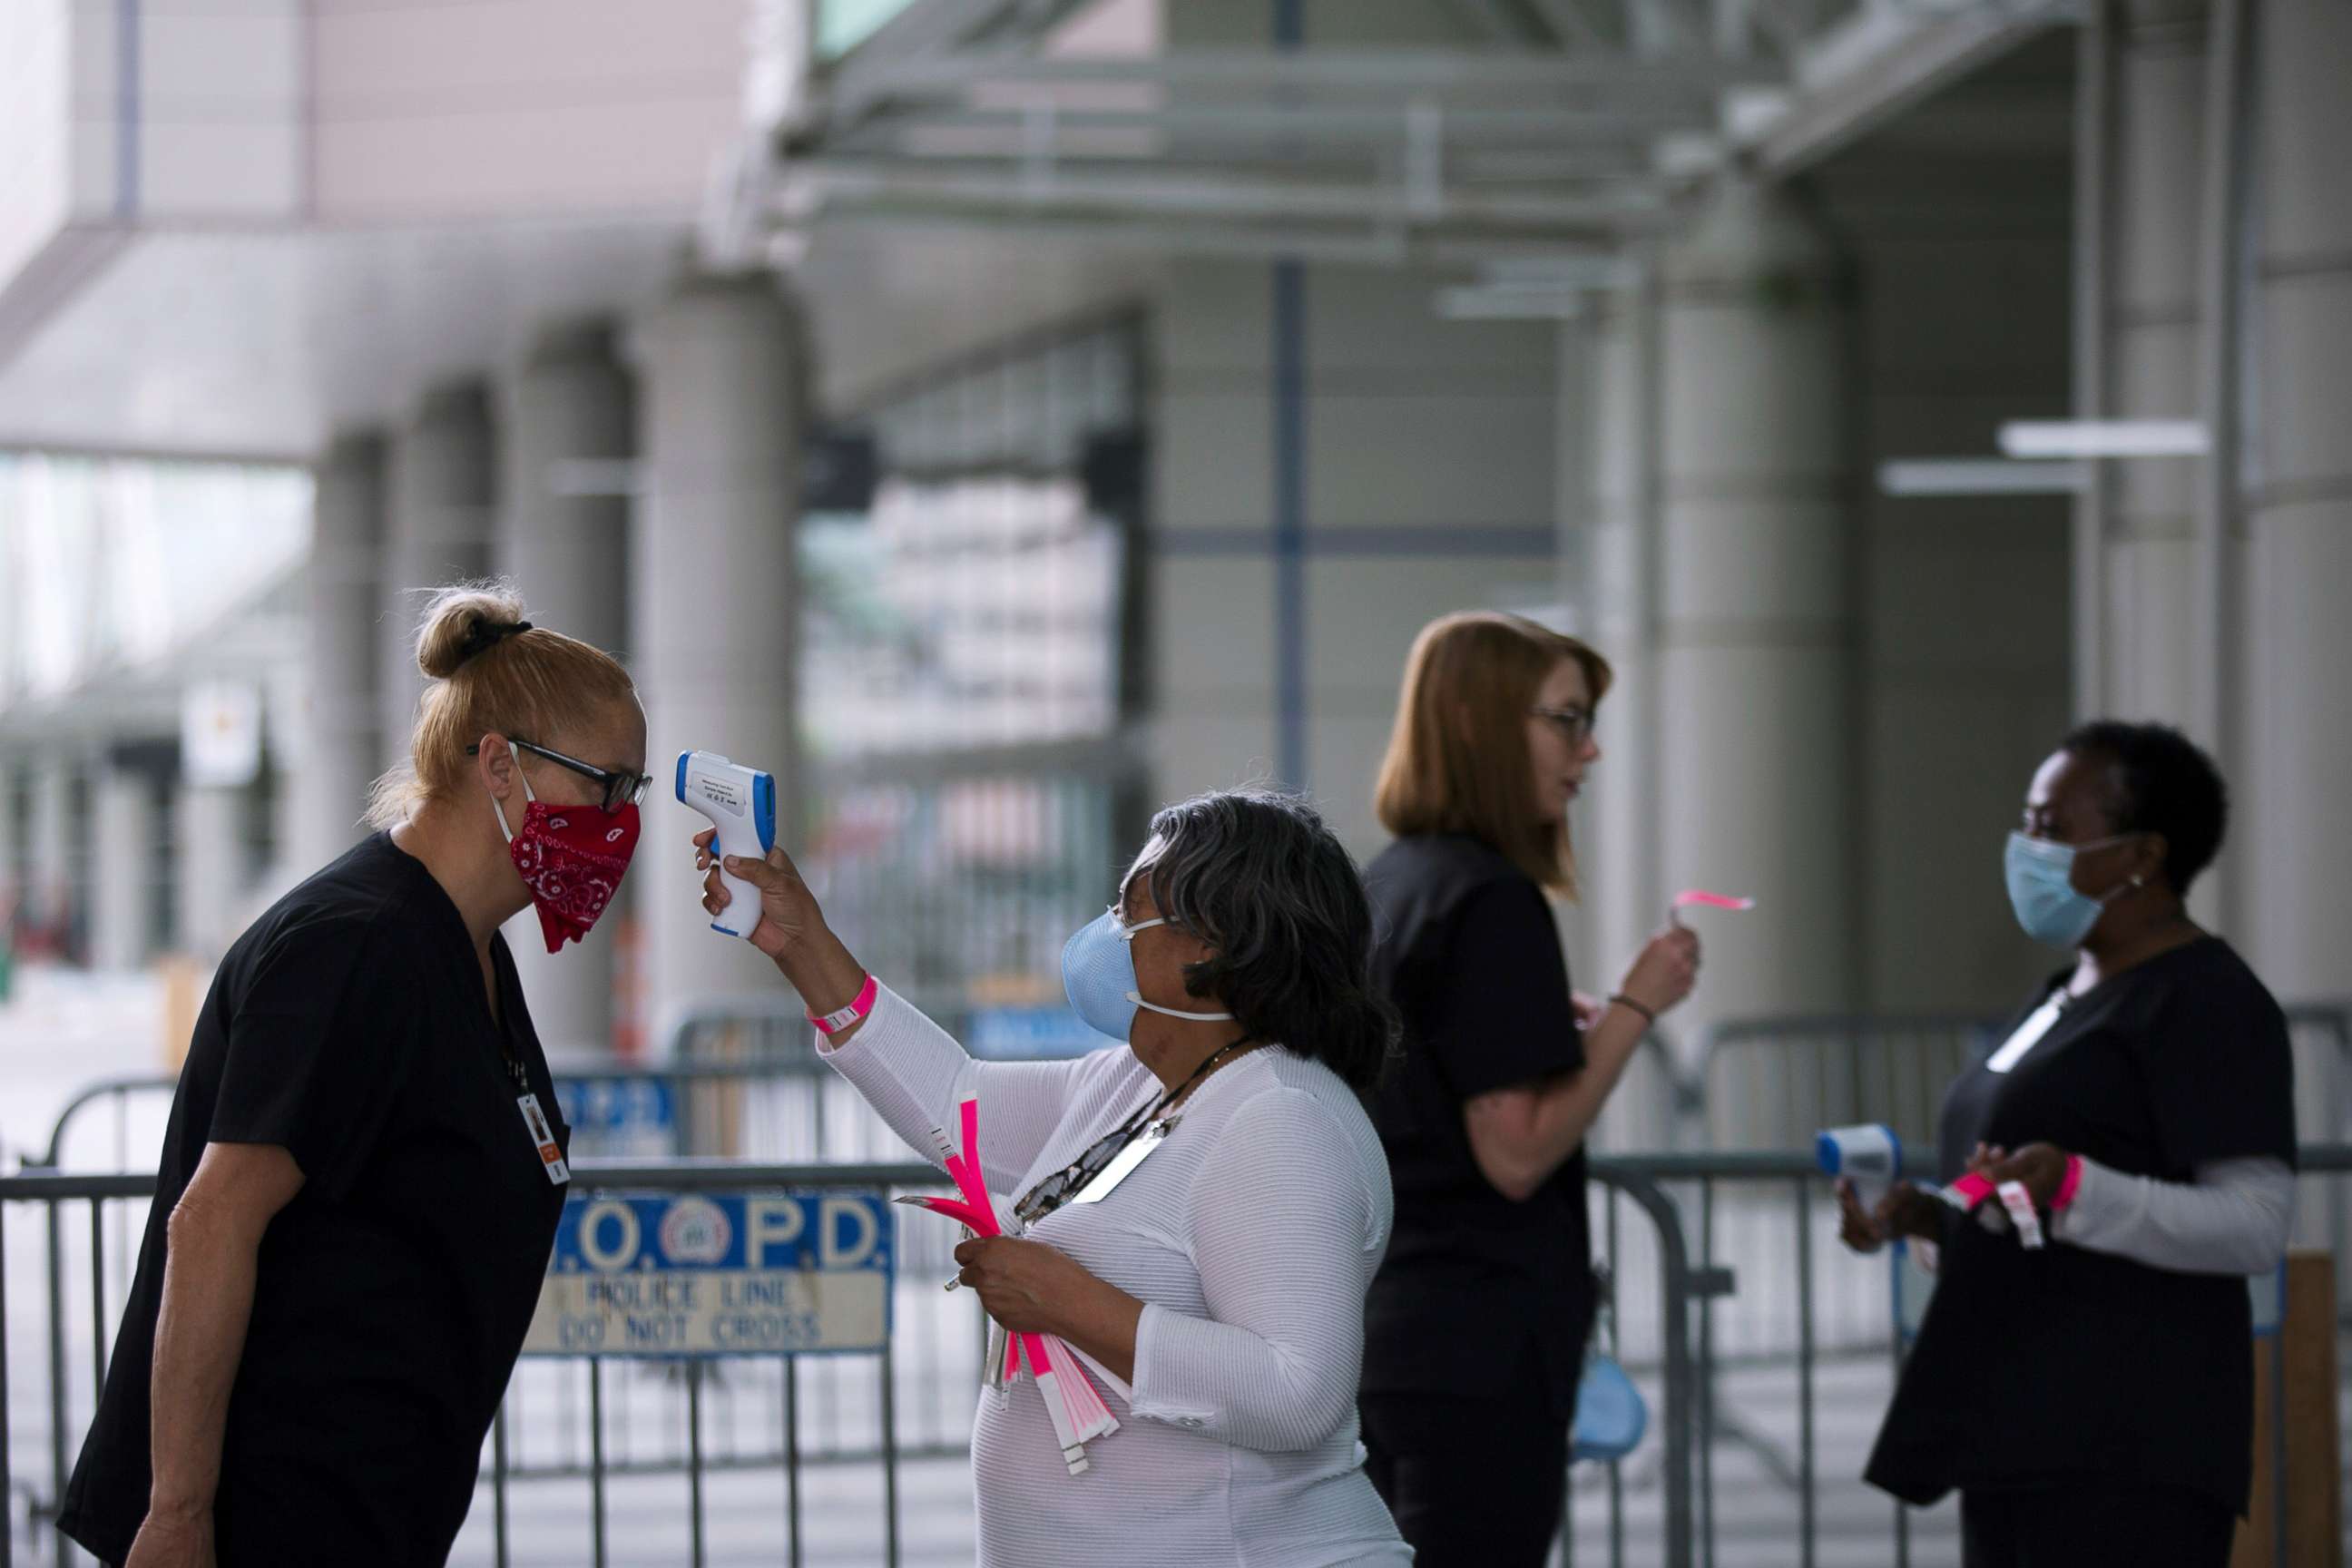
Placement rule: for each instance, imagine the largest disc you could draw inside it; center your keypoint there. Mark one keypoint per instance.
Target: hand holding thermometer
(740, 804)
(1869, 1156)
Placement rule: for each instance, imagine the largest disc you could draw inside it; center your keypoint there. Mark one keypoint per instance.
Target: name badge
(2037, 1023)
(551, 1154)
(1126, 1161)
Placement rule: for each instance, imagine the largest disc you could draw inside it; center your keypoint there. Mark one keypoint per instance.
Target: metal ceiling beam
(1208, 194)
(1484, 74)
(1883, 65)
(1182, 235)
(933, 29)
(1312, 123)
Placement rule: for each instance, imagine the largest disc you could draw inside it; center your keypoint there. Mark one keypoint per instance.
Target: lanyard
(1066, 1184)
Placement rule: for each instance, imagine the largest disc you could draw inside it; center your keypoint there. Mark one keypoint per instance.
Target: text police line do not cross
(717, 1274)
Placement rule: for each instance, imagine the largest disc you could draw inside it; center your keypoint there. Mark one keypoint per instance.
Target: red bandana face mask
(572, 858)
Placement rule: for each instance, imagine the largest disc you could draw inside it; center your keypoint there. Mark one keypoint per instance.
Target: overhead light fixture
(1478, 302)
(1564, 270)
(1555, 287)
(1979, 477)
(2104, 438)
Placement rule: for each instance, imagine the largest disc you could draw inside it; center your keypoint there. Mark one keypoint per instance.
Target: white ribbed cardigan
(1250, 1234)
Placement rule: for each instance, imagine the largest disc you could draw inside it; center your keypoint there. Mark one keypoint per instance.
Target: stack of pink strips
(1078, 1413)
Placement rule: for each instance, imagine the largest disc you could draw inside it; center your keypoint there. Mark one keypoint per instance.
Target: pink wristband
(834, 1022)
(1968, 1192)
(2074, 1179)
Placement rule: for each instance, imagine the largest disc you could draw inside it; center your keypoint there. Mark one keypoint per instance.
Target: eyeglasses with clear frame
(1574, 724)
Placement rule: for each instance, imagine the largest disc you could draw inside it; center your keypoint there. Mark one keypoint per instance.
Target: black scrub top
(1477, 1293)
(350, 1025)
(2039, 1368)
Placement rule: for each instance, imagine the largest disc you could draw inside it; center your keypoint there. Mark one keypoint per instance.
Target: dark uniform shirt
(1476, 1288)
(350, 1025)
(2034, 1368)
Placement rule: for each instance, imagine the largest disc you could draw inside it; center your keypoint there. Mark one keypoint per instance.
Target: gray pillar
(122, 833)
(343, 749)
(2294, 643)
(1755, 790)
(711, 611)
(568, 553)
(440, 519)
(1624, 898)
(2149, 567)
(208, 825)
(10, 848)
(49, 856)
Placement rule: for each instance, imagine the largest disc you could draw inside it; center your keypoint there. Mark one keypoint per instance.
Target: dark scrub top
(2035, 1369)
(1476, 1288)
(350, 1026)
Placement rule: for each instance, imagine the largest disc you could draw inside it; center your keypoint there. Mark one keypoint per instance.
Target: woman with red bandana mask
(360, 1179)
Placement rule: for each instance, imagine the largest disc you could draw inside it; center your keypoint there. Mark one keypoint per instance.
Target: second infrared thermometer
(741, 802)
(1869, 1156)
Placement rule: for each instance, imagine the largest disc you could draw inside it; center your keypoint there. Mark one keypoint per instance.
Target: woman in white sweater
(1217, 1287)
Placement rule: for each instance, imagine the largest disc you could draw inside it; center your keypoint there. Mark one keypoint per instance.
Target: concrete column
(122, 831)
(725, 369)
(11, 888)
(1616, 831)
(345, 748)
(2148, 574)
(1755, 788)
(49, 856)
(2294, 644)
(439, 520)
(208, 825)
(569, 554)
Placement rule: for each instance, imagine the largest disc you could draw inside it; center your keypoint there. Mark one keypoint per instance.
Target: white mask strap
(528, 798)
(1128, 932)
(1172, 1012)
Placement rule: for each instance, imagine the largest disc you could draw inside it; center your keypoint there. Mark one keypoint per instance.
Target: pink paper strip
(1699, 897)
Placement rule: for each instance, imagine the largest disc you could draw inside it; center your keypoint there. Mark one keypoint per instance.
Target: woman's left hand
(2042, 1167)
(1025, 1285)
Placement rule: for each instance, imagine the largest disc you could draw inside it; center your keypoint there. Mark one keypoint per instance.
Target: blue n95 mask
(2041, 890)
(1098, 972)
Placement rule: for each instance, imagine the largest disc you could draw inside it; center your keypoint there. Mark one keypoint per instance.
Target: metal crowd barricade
(592, 1449)
(1827, 1333)
(1787, 1077)
(1766, 1395)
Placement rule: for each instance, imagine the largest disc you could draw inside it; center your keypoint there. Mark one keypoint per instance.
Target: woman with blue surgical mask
(1198, 1213)
(2113, 1171)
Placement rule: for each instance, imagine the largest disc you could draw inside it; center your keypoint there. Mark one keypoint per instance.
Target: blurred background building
(997, 416)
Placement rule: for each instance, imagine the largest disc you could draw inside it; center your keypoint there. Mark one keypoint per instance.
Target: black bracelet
(1621, 1000)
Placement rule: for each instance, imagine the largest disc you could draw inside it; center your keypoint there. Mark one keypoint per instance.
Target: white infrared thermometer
(1869, 1156)
(741, 802)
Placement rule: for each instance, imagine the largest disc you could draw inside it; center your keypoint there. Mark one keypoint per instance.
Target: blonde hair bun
(459, 622)
(538, 687)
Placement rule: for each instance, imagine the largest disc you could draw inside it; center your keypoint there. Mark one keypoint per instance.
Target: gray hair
(1259, 878)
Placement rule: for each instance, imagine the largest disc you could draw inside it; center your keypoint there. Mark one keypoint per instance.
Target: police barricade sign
(617, 1117)
(713, 1274)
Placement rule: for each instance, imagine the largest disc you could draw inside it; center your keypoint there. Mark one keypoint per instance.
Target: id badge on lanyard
(1119, 1168)
(551, 1154)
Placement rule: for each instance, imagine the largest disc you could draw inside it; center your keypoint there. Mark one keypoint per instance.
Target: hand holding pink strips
(1971, 1189)
(1078, 1411)
(1698, 898)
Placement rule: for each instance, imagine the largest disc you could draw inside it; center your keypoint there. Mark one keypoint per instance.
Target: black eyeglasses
(1574, 724)
(620, 789)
